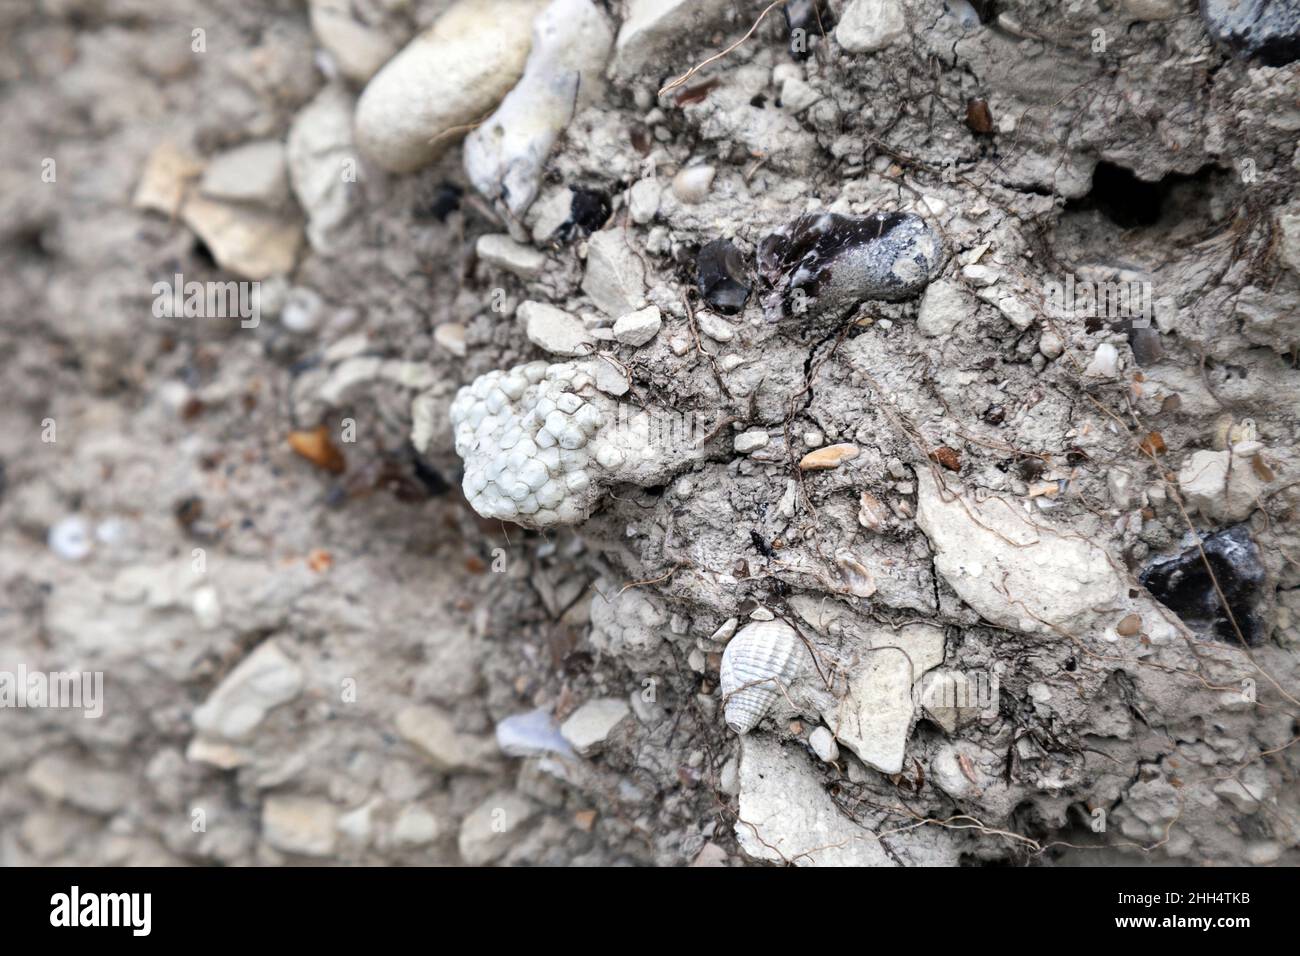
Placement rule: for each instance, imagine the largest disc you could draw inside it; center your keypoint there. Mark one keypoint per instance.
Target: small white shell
(759, 664)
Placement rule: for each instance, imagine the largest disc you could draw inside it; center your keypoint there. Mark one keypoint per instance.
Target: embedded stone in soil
(1183, 585)
(722, 276)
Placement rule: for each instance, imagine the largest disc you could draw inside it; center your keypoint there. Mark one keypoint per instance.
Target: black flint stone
(588, 211)
(720, 271)
(1183, 585)
(812, 18)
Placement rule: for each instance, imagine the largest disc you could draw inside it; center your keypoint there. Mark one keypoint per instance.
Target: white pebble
(692, 184)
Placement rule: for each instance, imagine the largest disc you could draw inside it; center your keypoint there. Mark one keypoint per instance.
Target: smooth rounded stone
(1050, 344)
(643, 200)
(722, 276)
(591, 724)
(715, 327)
(306, 826)
(869, 25)
(451, 336)
(358, 50)
(638, 328)
(303, 310)
(447, 78)
(254, 172)
(505, 156)
(499, 250)
(555, 330)
(493, 827)
(750, 441)
(825, 263)
(415, 826)
(693, 183)
(1267, 30)
(323, 165)
(824, 746)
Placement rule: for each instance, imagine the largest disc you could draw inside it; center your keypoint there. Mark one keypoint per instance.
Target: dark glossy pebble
(1183, 585)
(807, 19)
(444, 200)
(825, 262)
(589, 209)
(1266, 30)
(722, 276)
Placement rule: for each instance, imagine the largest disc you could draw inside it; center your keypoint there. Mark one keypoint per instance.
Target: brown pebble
(188, 511)
(950, 458)
(319, 560)
(979, 118)
(584, 820)
(316, 447)
(1128, 626)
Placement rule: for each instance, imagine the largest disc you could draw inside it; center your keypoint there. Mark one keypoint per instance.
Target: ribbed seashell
(759, 664)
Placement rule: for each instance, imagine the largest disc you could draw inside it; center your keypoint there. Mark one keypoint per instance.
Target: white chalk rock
(693, 183)
(638, 328)
(555, 330)
(323, 165)
(449, 76)
(498, 249)
(1105, 362)
(591, 724)
(1220, 485)
(875, 714)
(870, 25)
(643, 200)
(615, 277)
(944, 306)
(253, 172)
(303, 825)
(358, 50)
(786, 816)
(823, 744)
(505, 156)
(1015, 572)
(752, 440)
(263, 680)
